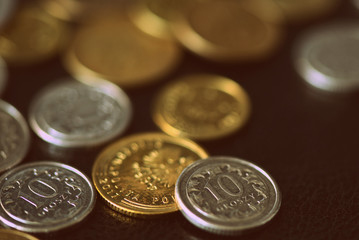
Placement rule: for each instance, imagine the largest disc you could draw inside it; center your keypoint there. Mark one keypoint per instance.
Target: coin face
(137, 174)
(73, 114)
(112, 48)
(31, 37)
(227, 30)
(8, 234)
(201, 107)
(14, 137)
(44, 197)
(3, 75)
(327, 57)
(227, 195)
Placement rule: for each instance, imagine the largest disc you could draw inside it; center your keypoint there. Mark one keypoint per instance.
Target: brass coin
(112, 48)
(32, 36)
(137, 174)
(201, 107)
(298, 11)
(230, 30)
(7, 234)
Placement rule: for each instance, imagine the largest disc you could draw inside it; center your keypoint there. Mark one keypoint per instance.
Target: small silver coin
(327, 57)
(73, 114)
(3, 75)
(44, 197)
(226, 195)
(14, 136)
(6, 9)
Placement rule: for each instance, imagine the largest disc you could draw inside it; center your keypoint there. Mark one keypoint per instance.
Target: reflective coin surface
(113, 48)
(31, 37)
(3, 75)
(8, 234)
(327, 57)
(72, 114)
(202, 107)
(14, 136)
(44, 197)
(6, 10)
(227, 195)
(137, 174)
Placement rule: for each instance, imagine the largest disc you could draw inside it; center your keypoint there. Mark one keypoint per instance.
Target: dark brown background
(308, 141)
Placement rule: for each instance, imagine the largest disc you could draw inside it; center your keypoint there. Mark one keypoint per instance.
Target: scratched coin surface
(73, 114)
(8, 234)
(327, 57)
(202, 107)
(3, 75)
(44, 197)
(136, 175)
(32, 36)
(14, 136)
(227, 195)
(111, 47)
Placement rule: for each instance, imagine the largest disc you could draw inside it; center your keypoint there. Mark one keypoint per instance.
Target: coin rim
(195, 217)
(41, 228)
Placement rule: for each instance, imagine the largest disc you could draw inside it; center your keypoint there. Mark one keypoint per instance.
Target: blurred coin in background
(7, 8)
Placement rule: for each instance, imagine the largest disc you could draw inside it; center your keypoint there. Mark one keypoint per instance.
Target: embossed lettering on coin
(227, 195)
(44, 196)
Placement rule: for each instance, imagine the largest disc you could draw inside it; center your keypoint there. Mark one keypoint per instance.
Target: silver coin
(6, 9)
(73, 114)
(328, 57)
(14, 136)
(226, 195)
(3, 75)
(44, 197)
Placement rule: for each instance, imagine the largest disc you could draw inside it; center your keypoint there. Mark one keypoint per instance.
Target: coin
(72, 114)
(3, 75)
(327, 57)
(6, 10)
(8, 234)
(201, 106)
(229, 30)
(44, 197)
(136, 175)
(112, 48)
(31, 37)
(14, 136)
(227, 195)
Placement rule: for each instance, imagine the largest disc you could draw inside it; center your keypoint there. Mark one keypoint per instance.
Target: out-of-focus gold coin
(298, 11)
(112, 48)
(7, 234)
(32, 36)
(201, 107)
(137, 174)
(230, 30)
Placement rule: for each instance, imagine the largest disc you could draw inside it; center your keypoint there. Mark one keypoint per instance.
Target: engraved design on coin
(228, 192)
(44, 196)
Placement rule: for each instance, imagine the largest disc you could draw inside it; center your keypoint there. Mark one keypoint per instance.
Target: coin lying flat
(44, 197)
(3, 75)
(228, 30)
(72, 114)
(6, 10)
(327, 57)
(8, 234)
(112, 48)
(31, 37)
(227, 195)
(201, 107)
(136, 175)
(14, 136)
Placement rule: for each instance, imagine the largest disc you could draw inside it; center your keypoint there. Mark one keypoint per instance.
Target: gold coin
(112, 48)
(137, 174)
(32, 36)
(230, 30)
(304, 10)
(7, 234)
(201, 107)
